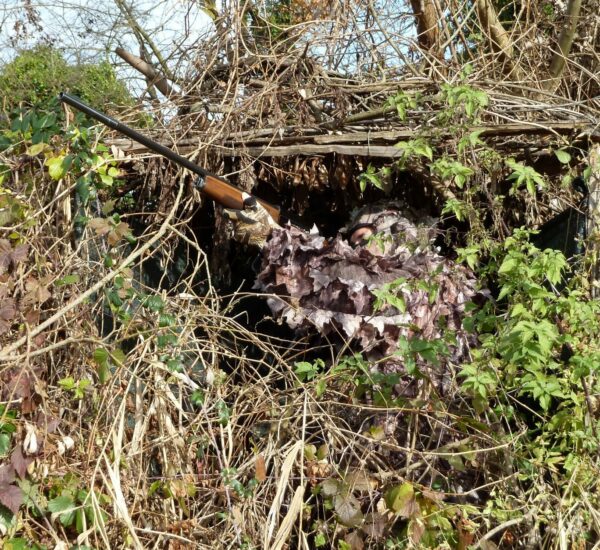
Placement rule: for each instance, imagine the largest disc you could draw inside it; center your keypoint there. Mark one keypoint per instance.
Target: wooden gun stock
(231, 197)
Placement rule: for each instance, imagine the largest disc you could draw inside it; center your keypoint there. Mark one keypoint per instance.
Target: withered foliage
(335, 288)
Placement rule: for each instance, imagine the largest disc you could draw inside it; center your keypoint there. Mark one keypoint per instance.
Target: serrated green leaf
(154, 303)
(118, 357)
(166, 320)
(16, 544)
(108, 207)
(154, 487)
(508, 265)
(331, 487)
(456, 462)
(60, 504)
(83, 190)
(36, 149)
(106, 179)
(101, 357)
(80, 523)
(56, 168)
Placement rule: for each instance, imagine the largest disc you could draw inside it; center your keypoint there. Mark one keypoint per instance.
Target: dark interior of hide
(564, 232)
(567, 231)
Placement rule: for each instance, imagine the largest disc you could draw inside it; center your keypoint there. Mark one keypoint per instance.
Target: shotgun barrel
(214, 186)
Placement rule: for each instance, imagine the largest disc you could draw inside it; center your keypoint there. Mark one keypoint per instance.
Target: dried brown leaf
(36, 292)
(360, 481)
(260, 469)
(374, 525)
(19, 462)
(100, 225)
(7, 474)
(348, 510)
(354, 540)
(11, 496)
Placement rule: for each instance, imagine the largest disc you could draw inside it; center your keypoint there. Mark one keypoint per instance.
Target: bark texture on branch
(427, 23)
(497, 35)
(565, 42)
(153, 76)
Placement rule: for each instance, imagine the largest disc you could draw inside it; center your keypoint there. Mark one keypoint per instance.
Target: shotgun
(212, 185)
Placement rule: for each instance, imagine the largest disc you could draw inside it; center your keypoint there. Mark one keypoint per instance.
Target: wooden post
(593, 227)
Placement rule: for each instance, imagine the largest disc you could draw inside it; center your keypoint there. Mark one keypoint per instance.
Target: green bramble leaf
(61, 504)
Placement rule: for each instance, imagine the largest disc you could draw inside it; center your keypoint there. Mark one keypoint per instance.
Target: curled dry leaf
(36, 292)
(374, 525)
(19, 462)
(114, 232)
(347, 508)
(354, 540)
(8, 311)
(100, 225)
(30, 443)
(360, 481)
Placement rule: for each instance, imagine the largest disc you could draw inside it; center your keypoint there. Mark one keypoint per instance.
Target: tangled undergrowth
(135, 417)
(144, 406)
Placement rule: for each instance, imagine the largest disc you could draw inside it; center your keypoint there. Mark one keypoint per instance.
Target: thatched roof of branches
(306, 94)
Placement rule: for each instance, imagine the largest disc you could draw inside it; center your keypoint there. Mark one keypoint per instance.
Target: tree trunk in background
(565, 41)
(496, 34)
(427, 24)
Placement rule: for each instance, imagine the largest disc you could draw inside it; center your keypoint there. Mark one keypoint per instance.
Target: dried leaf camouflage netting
(335, 288)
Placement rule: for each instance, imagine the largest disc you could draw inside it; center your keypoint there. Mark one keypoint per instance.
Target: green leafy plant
(229, 476)
(453, 170)
(464, 99)
(75, 506)
(418, 147)
(402, 102)
(77, 387)
(7, 429)
(377, 177)
(36, 76)
(523, 341)
(524, 175)
(306, 371)
(391, 294)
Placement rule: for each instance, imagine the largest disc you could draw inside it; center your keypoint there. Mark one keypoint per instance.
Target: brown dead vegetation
(227, 451)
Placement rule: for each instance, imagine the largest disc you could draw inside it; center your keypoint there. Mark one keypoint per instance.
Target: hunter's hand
(253, 224)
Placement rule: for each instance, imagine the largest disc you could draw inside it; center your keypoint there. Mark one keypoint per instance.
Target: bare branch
(565, 42)
(153, 76)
